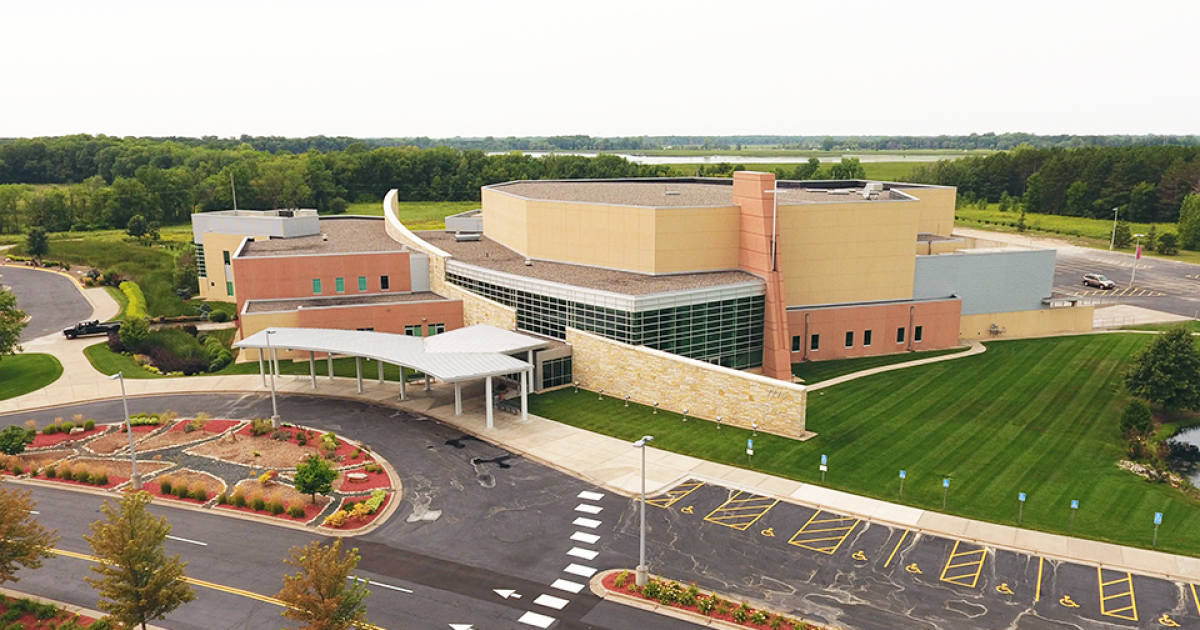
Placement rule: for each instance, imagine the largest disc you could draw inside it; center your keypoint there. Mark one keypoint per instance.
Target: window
(900, 335)
(226, 257)
(229, 288)
(383, 283)
(201, 266)
(556, 372)
(849, 338)
(367, 329)
(362, 283)
(435, 329)
(917, 334)
(866, 338)
(814, 343)
(339, 284)
(796, 343)
(413, 331)
(316, 286)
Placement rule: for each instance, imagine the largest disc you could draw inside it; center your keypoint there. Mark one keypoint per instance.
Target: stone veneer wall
(677, 383)
(476, 308)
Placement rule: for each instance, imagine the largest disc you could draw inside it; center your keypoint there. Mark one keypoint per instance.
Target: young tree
(37, 244)
(136, 227)
(315, 476)
(138, 582)
(1189, 222)
(1136, 420)
(1167, 372)
(23, 541)
(319, 596)
(1168, 244)
(1123, 237)
(14, 439)
(12, 322)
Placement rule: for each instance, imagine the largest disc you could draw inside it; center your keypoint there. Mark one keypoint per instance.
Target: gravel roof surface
(270, 306)
(489, 254)
(346, 235)
(668, 193)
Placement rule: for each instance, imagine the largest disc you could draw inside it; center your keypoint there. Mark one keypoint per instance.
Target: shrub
(376, 500)
(81, 473)
(168, 362)
(776, 622)
(222, 499)
(302, 438)
(668, 594)
(688, 596)
(1136, 419)
(337, 519)
(164, 485)
(89, 424)
(50, 429)
(281, 435)
(740, 614)
(66, 426)
(258, 502)
(181, 491)
(238, 499)
(136, 308)
(64, 471)
(360, 510)
(51, 473)
(275, 506)
(329, 442)
(98, 479)
(296, 509)
(372, 467)
(760, 617)
(260, 426)
(652, 589)
(17, 470)
(267, 477)
(198, 492)
(620, 580)
(218, 316)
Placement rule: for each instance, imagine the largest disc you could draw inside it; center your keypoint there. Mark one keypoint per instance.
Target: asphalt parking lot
(1161, 285)
(52, 301)
(853, 573)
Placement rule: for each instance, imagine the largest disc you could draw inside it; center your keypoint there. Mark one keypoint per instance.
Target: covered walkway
(478, 352)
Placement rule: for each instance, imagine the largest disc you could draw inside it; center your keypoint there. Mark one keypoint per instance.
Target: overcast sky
(441, 68)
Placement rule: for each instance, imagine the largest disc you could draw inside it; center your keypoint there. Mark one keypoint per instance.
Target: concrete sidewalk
(607, 462)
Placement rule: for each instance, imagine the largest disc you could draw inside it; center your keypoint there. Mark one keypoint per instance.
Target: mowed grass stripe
(1035, 416)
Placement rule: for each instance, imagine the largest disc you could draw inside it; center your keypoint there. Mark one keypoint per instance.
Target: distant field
(417, 215)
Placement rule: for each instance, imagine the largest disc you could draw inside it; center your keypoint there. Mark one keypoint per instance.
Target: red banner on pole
(1139, 252)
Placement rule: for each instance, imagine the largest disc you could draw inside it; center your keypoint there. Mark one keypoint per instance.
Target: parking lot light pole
(1113, 241)
(643, 573)
(136, 478)
(271, 363)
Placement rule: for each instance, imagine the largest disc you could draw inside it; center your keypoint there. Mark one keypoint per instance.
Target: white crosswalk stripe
(567, 585)
(585, 538)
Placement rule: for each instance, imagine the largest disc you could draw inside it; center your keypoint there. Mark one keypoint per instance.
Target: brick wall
(677, 383)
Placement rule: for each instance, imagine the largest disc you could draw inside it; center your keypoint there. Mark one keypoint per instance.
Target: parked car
(1099, 281)
(94, 327)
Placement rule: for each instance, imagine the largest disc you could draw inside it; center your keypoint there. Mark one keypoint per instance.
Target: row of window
(556, 372)
(726, 332)
(432, 329)
(339, 284)
(814, 341)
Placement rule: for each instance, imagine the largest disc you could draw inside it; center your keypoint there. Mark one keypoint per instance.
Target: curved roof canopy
(465, 354)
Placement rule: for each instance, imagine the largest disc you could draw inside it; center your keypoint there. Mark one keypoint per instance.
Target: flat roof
(684, 192)
(489, 254)
(444, 359)
(338, 235)
(275, 306)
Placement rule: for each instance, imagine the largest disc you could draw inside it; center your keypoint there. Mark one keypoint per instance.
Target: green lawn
(1034, 416)
(817, 371)
(24, 373)
(106, 361)
(417, 215)
(1192, 325)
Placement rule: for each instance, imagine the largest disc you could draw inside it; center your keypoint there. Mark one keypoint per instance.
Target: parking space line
(675, 494)
(1037, 594)
(902, 537)
(1195, 598)
(1116, 596)
(825, 535)
(741, 510)
(963, 568)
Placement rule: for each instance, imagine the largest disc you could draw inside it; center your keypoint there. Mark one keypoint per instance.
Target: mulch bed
(211, 426)
(113, 442)
(284, 493)
(36, 459)
(29, 621)
(788, 623)
(113, 481)
(310, 511)
(47, 441)
(345, 449)
(188, 478)
(179, 434)
(358, 523)
(374, 480)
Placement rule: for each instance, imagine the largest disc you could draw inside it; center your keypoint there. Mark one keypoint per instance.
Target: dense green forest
(1148, 184)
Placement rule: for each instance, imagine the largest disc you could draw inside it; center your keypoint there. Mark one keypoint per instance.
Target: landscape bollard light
(601, 394)
(718, 423)
(755, 426)
(626, 400)
(655, 409)
(576, 387)
(685, 412)
(643, 572)
(271, 359)
(136, 478)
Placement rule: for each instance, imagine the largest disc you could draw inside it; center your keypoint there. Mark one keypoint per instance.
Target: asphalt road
(1161, 285)
(52, 302)
(475, 518)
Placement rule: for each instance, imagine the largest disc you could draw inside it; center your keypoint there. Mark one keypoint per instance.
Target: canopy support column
(329, 364)
(312, 367)
(358, 372)
(381, 372)
(457, 398)
(262, 369)
(428, 387)
(525, 396)
(403, 383)
(491, 422)
(275, 362)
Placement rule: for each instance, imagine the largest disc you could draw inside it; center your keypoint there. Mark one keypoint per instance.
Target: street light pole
(271, 361)
(1137, 254)
(136, 478)
(643, 573)
(1113, 241)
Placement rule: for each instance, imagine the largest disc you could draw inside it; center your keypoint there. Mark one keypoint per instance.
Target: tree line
(102, 183)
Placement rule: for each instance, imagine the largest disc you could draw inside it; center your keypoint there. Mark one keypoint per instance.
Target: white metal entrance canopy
(465, 354)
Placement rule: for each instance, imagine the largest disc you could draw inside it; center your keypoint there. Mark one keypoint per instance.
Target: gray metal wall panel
(418, 265)
(988, 282)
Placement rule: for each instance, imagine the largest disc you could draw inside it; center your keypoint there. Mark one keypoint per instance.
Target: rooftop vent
(872, 190)
(528, 263)
(324, 236)
(671, 192)
(466, 236)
